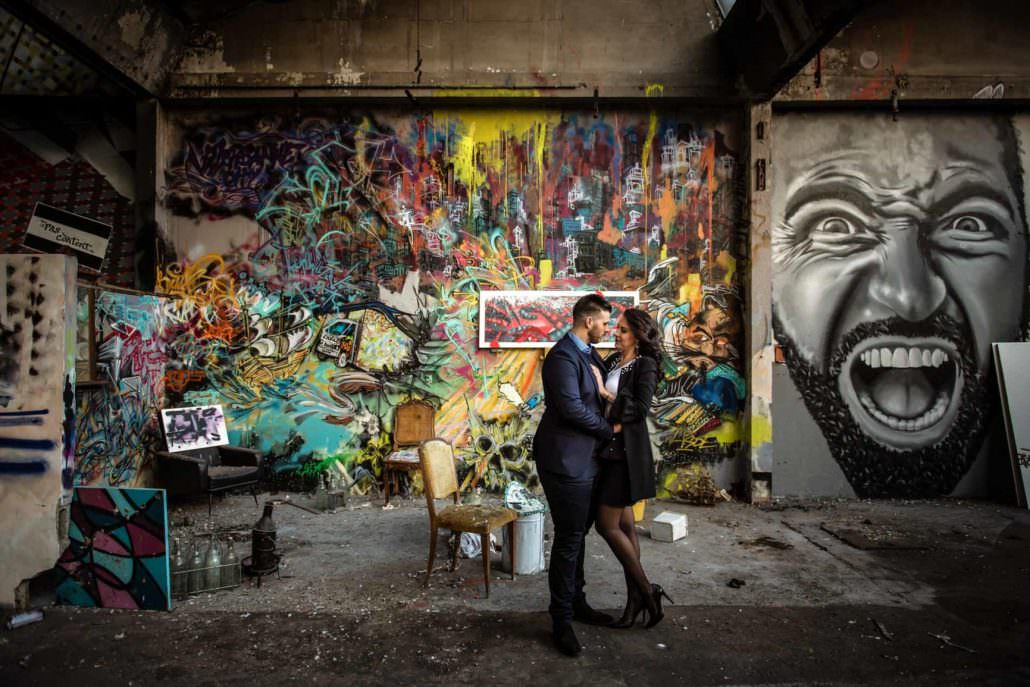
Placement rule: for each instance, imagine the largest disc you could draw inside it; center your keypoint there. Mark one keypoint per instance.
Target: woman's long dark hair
(647, 333)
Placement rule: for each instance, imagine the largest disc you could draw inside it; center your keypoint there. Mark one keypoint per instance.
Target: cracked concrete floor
(834, 592)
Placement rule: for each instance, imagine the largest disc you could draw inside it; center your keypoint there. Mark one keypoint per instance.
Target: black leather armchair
(210, 470)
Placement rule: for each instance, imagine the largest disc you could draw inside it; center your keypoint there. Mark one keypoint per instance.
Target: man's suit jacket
(573, 421)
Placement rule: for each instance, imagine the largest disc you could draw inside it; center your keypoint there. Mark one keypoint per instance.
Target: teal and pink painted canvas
(117, 556)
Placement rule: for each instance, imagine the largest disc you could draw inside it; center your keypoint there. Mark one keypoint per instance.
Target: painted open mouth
(903, 390)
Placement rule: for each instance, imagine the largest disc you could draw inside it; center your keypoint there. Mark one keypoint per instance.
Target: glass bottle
(195, 577)
(213, 566)
(319, 495)
(178, 575)
(231, 567)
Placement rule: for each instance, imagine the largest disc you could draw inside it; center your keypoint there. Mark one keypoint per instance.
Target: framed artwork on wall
(537, 319)
(196, 427)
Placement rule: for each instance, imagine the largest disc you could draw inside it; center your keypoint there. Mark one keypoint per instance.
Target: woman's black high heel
(657, 613)
(634, 607)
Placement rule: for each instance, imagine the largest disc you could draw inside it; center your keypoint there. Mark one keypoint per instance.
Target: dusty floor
(841, 592)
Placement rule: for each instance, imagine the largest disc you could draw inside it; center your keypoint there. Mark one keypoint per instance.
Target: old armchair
(209, 470)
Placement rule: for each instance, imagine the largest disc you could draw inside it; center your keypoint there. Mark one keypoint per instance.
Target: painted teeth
(915, 424)
(906, 357)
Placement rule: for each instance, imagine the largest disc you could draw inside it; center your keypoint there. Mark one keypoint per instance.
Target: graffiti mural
(702, 398)
(900, 254)
(118, 424)
(37, 417)
(536, 319)
(117, 555)
(373, 238)
(500, 451)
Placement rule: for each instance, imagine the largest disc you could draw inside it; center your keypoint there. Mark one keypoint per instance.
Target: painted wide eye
(969, 224)
(836, 225)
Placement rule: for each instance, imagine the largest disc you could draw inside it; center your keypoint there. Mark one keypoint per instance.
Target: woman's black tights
(616, 525)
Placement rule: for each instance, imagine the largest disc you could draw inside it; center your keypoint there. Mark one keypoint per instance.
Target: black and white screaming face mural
(899, 256)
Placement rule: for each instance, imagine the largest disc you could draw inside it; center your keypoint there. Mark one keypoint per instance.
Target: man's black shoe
(565, 640)
(584, 614)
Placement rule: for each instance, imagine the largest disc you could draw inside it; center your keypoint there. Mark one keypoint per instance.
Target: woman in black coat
(627, 465)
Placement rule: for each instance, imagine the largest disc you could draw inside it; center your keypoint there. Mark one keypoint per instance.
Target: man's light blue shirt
(582, 345)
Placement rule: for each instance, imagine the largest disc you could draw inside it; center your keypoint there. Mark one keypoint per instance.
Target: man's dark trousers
(572, 512)
(563, 448)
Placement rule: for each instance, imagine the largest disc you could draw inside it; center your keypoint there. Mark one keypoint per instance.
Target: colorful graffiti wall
(900, 255)
(330, 266)
(117, 555)
(37, 415)
(119, 421)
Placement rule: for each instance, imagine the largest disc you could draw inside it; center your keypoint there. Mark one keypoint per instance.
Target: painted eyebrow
(977, 189)
(838, 188)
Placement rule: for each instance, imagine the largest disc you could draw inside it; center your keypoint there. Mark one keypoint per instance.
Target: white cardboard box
(669, 526)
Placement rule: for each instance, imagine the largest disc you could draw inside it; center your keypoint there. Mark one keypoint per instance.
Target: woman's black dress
(624, 482)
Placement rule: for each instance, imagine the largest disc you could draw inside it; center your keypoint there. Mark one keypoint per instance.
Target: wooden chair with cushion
(413, 423)
(440, 478)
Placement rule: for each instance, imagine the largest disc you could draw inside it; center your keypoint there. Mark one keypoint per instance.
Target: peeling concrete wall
(761, 349)
(923, 50)
(37, 414)
(615, 46)
(135, 37)
(354, 47)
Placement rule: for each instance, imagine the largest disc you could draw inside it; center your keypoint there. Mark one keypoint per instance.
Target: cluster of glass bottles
(329, 493)
(204, 564)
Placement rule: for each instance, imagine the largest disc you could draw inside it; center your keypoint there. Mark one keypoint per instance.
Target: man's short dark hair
(590, 305)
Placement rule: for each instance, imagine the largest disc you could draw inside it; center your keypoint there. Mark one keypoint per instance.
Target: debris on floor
(26, 618)
(945, 639)
(766, 541)
(867, 536)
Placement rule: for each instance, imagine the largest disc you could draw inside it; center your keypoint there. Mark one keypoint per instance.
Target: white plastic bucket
(529, 545)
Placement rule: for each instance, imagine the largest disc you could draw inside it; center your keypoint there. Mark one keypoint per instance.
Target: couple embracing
(593, 455)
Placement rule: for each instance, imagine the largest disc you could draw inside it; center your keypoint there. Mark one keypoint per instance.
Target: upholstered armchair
(210, 470)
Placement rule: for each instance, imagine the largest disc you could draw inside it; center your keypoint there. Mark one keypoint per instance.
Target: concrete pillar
(148, 113)
(39, 312)
(759, 334)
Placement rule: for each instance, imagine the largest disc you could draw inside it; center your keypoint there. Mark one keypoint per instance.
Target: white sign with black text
(52, 228)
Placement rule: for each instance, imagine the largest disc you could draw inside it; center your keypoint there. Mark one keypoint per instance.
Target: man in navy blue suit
(563, 447)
